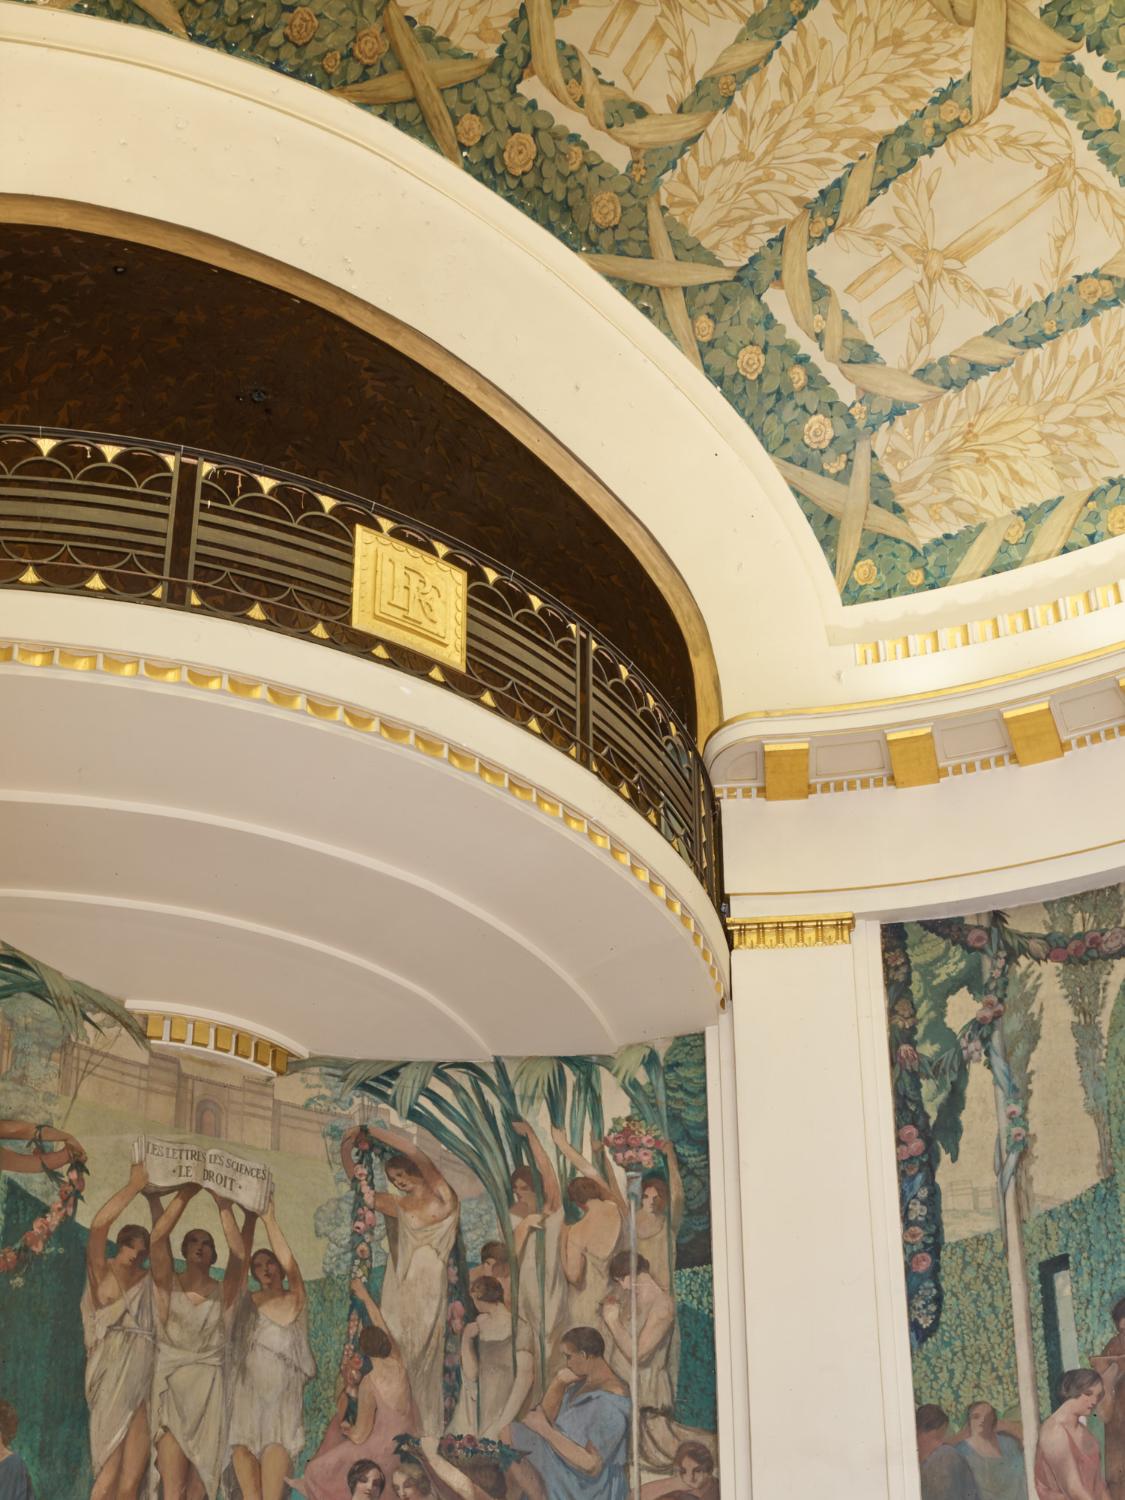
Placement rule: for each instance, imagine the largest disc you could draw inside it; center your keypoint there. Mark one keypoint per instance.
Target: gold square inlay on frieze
(406, 595)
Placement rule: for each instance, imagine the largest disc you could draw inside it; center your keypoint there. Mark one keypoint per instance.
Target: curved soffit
(894, 248)
(212, 359)
(283, 873)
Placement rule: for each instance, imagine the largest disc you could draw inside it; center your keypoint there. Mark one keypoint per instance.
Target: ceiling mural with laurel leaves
(891, 232)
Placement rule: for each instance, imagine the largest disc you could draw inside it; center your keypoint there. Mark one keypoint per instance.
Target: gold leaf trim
(827, 930)
(171, 1030)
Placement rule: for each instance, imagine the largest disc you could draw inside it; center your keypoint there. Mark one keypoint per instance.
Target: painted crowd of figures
(985, 1461)
(195, 1378)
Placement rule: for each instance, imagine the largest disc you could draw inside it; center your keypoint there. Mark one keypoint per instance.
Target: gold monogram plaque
(406, 595)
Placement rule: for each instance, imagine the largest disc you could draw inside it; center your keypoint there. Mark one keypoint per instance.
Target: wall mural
(459, 1280)
(1007, 1033)
(889, 231)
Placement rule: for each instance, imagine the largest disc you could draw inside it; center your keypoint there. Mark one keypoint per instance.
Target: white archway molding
(192, 138)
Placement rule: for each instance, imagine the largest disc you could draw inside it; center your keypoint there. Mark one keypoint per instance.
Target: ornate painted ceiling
(891, 232)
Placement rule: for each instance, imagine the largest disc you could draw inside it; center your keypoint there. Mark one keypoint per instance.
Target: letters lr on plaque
(406, 595)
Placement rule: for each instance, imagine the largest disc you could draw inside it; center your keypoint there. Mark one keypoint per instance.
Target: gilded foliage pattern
(898, 254)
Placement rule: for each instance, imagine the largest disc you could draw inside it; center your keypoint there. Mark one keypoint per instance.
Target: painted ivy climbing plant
(980, 956)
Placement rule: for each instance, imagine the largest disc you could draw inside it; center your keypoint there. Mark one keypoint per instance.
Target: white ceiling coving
(189, 849)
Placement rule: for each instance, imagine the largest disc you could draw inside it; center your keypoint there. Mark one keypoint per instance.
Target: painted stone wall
(888, 233)
(378, 1281)
(1007, 1034)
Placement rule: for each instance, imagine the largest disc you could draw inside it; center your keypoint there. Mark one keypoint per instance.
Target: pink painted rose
(1057, 955)
(903, 1153)
(1076, 947)
(1012, 1111)
(1019, 1133)
(363, 1252)
(921, 1262)
(917, 1148)
(9, 1259)
(977, 937)
(912, 1235)
(1114, 940)
(908, 1133)
(1093, 940)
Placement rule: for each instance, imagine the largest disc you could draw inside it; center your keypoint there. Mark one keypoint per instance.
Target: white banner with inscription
(170, 1164)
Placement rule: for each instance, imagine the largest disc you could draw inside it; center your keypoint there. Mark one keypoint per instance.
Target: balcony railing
(180, 528)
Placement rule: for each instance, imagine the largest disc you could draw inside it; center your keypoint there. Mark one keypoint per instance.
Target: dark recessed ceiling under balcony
(106, 335)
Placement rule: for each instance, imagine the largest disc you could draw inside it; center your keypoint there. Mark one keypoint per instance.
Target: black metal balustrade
(180, 528)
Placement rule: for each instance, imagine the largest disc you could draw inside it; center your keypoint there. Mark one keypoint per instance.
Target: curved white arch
(193, 138)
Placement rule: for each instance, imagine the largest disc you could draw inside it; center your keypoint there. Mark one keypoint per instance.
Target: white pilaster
(727, 1261)
(828, 1373)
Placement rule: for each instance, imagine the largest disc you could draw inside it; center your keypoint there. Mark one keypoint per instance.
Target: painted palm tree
(76, 1005)
(471, 1109)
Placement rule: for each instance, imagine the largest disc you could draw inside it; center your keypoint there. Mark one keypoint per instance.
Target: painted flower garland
(633, 1145)
(353, 1364)
(69, 1185)
(999, 948)
(459, 1449)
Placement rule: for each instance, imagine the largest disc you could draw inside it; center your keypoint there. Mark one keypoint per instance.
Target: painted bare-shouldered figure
(119, 1328)
(384, 1410)
(189, 1418)
(425, 1212)
(588, 1246)
(270, 1366)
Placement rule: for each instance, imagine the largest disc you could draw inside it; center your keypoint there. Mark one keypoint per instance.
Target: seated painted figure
(945, 1474)
(577, 1438)
(995, 1457)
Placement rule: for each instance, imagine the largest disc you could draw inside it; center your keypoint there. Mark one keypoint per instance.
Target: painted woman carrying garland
(422, 1220)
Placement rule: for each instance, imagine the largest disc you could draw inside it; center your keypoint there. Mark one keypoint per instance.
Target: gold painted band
(890, 885)
(1100, 653)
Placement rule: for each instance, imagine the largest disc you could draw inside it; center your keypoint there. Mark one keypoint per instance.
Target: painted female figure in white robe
(270, 1365)
(188, 1412)
(119, 1331)
(423, 1217)
(495, 1384)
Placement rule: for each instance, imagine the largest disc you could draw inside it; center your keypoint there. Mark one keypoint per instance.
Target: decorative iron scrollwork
(186, 529)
